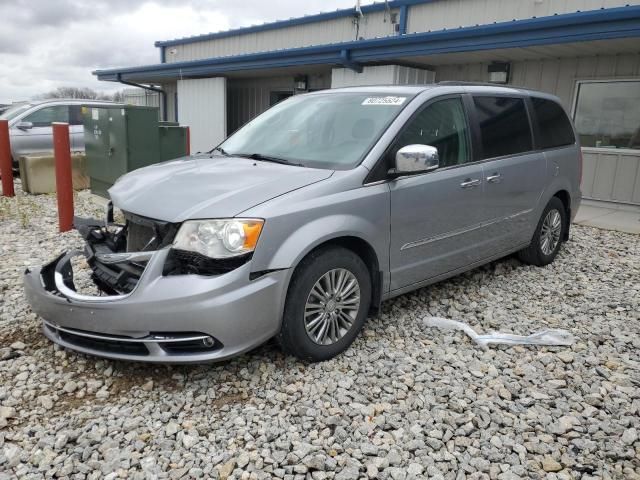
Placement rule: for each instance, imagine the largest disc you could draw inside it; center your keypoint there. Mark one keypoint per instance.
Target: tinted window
(608, 114)
(553, 124)
(442, 125)
(45, 116)
(504, 126)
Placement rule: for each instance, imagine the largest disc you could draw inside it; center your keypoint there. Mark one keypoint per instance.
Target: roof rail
(456, 83)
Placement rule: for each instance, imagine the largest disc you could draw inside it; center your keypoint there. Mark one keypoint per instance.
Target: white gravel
(405, 401)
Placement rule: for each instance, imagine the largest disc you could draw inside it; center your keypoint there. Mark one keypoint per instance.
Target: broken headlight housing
(219, 239)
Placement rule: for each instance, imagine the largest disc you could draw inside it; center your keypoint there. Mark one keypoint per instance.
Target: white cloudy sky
(45, 44)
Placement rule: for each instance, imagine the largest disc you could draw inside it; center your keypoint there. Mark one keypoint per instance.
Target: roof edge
(581, 26)
(313, 18)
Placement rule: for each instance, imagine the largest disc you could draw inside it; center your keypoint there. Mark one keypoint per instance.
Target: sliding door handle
(470, 183)
(495, 178)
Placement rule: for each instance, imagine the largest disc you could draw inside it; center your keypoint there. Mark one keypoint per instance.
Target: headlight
(219, 238)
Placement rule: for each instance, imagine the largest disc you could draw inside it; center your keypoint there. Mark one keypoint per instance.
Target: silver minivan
(302, 222)
(30, 124)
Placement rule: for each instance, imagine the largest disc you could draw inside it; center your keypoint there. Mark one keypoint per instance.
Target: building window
(607, 114)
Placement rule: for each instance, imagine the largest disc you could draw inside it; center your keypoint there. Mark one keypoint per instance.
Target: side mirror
(413, 159)
(24, 125)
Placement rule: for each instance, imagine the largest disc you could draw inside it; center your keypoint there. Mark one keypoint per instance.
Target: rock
(7, 412)
(565, 356)
(630, 436)
(148, 386)
(70, 386)
(18, 346)
(46, 402)
(550, 465)
(171, 429)
(189, 441)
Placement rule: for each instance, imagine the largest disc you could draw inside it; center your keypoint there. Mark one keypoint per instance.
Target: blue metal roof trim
(582, 26)
(318, 17)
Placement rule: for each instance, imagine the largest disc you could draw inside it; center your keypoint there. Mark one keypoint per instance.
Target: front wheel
(327, 304)
(548, 236)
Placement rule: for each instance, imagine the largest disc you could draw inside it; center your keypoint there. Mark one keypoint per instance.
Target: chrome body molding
(453, 233)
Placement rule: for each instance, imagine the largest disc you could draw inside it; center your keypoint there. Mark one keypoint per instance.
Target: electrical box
(118, 140)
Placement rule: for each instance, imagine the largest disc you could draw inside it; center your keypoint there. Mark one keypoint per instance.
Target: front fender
(321, 230)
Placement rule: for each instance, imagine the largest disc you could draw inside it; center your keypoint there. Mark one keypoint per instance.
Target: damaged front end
(118, 254)
(155, 303)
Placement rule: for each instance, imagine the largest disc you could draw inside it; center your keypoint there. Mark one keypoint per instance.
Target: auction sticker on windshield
(389, 100)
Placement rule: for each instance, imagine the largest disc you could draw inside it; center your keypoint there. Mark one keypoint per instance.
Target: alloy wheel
(332, 306)
(550, 232)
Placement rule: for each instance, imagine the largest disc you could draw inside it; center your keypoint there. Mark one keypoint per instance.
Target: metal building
(585, 51)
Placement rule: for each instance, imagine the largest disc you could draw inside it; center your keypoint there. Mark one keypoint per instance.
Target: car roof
(449, 86)
(72, 100)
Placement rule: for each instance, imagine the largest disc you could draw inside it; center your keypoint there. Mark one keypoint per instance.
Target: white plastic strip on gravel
(405, 401)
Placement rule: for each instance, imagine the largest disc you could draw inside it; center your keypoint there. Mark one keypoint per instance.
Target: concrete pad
(622, 220)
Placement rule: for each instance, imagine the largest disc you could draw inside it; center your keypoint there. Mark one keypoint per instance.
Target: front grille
(147, 233)
(104, 344)
(138, 236)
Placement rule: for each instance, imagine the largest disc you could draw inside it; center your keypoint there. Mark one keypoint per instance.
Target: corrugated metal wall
(557, 76)
(456, 13)
(139, 96)
(608, 174)
(247, 98)
(202, 106)
(611, 175)
(376, 24)
(381, 75)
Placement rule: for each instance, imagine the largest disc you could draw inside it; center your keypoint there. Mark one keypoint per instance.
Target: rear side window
(504, 126)
(553, 124)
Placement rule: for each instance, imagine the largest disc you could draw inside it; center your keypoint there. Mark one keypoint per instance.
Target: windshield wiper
(267, 158)
(221, 150)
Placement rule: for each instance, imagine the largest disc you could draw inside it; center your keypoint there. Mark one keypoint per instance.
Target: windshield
(13, 112)
(332, 130)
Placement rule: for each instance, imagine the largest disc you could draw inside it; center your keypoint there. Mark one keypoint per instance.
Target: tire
(299, 335)
(548, 236)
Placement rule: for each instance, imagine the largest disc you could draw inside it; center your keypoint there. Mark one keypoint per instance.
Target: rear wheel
(548, 235)
(327, 304)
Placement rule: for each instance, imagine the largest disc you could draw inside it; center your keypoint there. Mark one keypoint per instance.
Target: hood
(207, 187)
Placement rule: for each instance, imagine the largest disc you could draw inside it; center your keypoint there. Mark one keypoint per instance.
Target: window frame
(377, 176)
(574, 108)
(529, 112)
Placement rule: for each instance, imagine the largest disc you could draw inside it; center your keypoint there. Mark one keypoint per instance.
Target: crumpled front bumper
(165, 318)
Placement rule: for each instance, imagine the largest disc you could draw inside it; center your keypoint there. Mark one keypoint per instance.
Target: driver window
(45, 116)
(442, 125)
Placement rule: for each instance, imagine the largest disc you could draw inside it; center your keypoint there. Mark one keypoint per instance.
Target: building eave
(622, 22)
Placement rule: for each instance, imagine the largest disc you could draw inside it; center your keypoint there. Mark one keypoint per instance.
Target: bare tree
(81, 93)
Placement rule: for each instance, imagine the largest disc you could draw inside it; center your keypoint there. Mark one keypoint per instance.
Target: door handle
(495, 178)
(469, 183)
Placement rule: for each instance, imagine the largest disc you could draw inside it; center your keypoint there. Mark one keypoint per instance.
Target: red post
(6, 167)
(188, 141)
(64, 183)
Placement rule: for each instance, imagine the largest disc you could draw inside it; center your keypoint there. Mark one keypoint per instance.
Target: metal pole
(64, 183)
(6, 164)
(188, 140)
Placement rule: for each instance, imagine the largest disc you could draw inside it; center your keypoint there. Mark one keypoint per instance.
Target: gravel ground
(405, 401)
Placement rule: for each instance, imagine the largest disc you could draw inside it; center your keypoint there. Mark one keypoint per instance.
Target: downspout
(348, 62)
(163, 94)
(404, 17)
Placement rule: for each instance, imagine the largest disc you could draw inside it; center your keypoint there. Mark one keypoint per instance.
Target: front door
(38, 138)
(437, 217)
